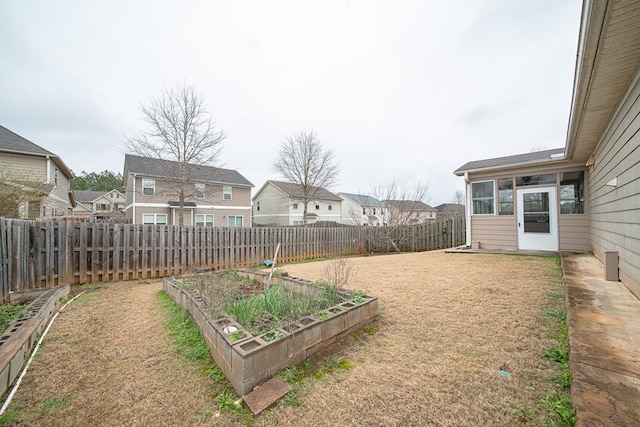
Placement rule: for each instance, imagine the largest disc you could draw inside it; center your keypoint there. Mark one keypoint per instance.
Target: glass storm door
(537, 219)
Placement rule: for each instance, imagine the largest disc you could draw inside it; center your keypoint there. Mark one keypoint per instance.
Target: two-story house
(358, 209)
(212, 196)
(34, 182)
(279, 203)
(408, 212)
(99, 204)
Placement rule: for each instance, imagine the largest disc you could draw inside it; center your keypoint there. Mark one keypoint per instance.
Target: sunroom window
(482, 198)
(572, 192)
(505, 196)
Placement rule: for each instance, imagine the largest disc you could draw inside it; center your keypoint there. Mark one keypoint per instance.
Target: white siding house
(279, 203)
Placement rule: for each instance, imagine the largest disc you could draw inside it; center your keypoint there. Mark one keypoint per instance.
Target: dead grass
(449, 323)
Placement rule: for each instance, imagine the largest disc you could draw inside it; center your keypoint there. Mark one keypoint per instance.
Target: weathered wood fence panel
(38, 254)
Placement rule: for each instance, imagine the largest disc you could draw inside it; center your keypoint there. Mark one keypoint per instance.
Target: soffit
(608, 60)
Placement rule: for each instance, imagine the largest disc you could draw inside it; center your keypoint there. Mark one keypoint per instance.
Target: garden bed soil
(448, 324)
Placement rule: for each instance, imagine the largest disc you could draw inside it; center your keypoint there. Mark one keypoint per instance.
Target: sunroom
(533, 201)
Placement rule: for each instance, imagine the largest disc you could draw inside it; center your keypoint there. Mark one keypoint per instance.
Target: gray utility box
(611, 266)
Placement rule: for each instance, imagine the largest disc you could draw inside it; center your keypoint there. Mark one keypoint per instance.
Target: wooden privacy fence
(35, 254)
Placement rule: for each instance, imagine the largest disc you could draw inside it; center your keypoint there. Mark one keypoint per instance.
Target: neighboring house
(408, 212)
(585, 196)
(449, 209)
(34, 182)
(358, 209)
(99, 204)
(278, 203)
(213, 196)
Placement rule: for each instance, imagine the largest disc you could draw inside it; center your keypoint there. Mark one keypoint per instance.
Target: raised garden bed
(18, 340)
(247, 359)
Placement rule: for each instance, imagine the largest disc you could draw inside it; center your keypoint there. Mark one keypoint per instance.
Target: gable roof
(409, 205)
(294, 191)
(362, 200)
(161, 169)
(11, 142)
(511, 161)
(450, 208)
(87, 195)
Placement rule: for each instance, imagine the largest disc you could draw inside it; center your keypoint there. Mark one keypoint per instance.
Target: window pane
(482, 197)
(505, 196)
(200, 191)
(523, 181)
(148, 218)
(148, 186)
(572, 192)
(536, 213)
(226, 192)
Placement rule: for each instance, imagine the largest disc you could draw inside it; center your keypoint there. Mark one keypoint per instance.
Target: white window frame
(202, 220)
(493, 198)
(227, 192)
(235, 220)
(157, 219)
(148, 183)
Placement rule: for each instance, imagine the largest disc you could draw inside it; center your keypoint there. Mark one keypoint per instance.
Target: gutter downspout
(467, 214)
(133, 201)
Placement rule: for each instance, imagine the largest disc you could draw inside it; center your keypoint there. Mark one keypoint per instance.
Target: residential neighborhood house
(358, 209)
(99, 204)
(278, 203)
(213, 196)
(449, 209)
(34, 182)
(408, 212)
(584, 196)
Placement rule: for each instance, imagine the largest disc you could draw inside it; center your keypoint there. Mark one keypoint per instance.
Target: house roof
(511, 161)
(11, 142)
(362, 200)
(162, 168)
(409, 205)
(294, 191)
(87, 195)
(450, 207)
(607, 61)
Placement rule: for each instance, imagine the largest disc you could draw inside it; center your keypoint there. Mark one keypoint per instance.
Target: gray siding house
(34, 182)
(213, 196)
(584, 196)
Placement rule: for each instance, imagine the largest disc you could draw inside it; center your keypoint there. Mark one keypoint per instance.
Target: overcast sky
(400, 90)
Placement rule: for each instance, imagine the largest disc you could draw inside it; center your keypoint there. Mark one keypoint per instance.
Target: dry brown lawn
(448, 323)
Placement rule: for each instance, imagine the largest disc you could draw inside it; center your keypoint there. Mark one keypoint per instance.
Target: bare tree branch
(180, 129)
(304, 161)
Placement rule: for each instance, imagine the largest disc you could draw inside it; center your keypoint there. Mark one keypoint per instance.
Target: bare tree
(304, 161)
(458, 197)
(181, 130)
(20, 193)
(400, 207)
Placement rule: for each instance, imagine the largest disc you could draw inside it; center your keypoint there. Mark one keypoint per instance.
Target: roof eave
(517, 165)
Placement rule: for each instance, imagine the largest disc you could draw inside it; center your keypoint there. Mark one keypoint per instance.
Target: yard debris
(504, 373)
(119, 352)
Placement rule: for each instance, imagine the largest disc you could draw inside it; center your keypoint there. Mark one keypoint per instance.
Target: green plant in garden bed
(8, 313)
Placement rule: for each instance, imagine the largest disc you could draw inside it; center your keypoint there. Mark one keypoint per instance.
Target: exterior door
(537, 219)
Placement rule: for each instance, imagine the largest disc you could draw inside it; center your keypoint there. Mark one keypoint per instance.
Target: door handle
(518, 225)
